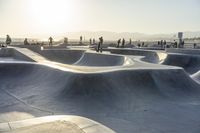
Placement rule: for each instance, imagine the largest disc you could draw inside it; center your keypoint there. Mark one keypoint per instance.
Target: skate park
(79, 90)
(99, 66)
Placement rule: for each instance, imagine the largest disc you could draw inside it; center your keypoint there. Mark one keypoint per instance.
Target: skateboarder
(142, 44)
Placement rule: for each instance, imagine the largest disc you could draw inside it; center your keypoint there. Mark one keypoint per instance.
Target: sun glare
(52, 15)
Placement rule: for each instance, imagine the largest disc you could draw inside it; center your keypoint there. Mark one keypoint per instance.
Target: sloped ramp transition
(187, 59)
(196, 76)
(98, 60)
(127, 101)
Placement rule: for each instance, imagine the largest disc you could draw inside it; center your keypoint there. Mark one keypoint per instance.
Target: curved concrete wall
(9, 52)
(183, 51)
(149, 56)
(191, 63)
(117, 99)
(58, 55)
(62, 56)
(94, 59)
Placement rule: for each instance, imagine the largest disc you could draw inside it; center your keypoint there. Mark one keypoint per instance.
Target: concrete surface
(136, 97)
(54, 124)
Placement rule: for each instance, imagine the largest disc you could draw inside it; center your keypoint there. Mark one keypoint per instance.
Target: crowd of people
(120, 43)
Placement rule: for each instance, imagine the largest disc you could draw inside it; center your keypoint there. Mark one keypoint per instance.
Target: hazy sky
(37, 17)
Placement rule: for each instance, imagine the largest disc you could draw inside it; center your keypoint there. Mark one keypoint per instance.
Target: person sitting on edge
(26, 41)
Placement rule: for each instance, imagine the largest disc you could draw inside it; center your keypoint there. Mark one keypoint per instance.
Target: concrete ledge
(183, 51)
(84, 124)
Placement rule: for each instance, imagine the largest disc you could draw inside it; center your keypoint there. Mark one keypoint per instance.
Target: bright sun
(52, 15)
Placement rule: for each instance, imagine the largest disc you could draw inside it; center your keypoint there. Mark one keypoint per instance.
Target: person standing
(8, 40)
(194, 45)
(164, 43)
(65, 40)
(90, 41)
(175, 44)
(118, 43)
(183, 43)
(81, 39)
(50, 41)
(130, 41)
(94, 41)
(99, 48)
(123, 43)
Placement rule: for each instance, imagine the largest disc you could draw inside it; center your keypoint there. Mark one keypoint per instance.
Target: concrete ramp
(126, 101)
(9, 54)
(183, 51)
(94, 59)
(196, 76)
(191, 63)
(54, 124)
(139, 97)
(62, 56)
(56, 54)
(149, 56)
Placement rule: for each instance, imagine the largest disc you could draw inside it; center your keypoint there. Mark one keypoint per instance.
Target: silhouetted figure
(175, 45)
(194, 45)
(139, 45)
(158, 42)
(130, 41)
(65, 40)
(142, 44)
(50, 41)
(8, 40)
(183, 43)
(90, 41)
(118, 43)
(26, 41)
(81, 39)
(99, 48)
(93, 41)
(123, 43)
(161, 43)
(164, 43)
